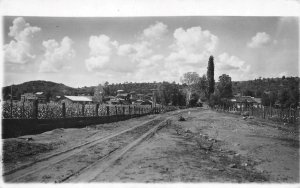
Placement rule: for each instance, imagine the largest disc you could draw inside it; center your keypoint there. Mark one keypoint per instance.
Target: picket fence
(289, 115)
(35, 110)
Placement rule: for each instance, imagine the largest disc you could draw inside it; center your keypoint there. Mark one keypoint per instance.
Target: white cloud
(145, 59)
(191, 49)
(228, 62)
(155, 31)
(233, 66)
(141, 53)
(143, 48)
(136, 51)
(57, 56)
(259, 40)
(100, 45)
(96, 63)
(194, 40)
(126, 49)
(101, 49)
(20, 50)
(193, 45)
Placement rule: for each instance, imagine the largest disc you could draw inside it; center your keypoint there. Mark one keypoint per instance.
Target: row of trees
(283, 92)
(279, 92)
(204, 87)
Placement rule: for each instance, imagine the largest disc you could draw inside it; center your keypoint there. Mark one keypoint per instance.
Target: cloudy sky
(88, 51)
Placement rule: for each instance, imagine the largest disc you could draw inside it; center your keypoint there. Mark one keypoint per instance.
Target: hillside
(255, 88)
(49, 88)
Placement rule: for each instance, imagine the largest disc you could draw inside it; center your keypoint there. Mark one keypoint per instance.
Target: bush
(194, 100)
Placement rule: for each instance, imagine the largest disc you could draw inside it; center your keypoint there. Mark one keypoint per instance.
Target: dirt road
(207, 147)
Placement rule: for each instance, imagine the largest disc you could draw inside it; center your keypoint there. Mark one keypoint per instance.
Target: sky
(86, 51)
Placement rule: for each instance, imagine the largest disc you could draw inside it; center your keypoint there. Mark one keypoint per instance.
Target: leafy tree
(248, 92)
(288, 98)
(284, 98)
(210, 76)
(214, 99)
(169, 93)
(190, 79)
(269, 99)
(194, 99)
(98, 94)
(225, 86)
(201, 87)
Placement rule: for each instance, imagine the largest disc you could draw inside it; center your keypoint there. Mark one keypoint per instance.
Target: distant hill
(257, 87)
(254, 88)
(51, 89)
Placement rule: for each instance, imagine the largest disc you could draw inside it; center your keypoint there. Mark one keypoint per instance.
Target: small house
(41, 97)
(30, 97)
(245, 101)
(77, 99)
(133, 96)
(124, 96)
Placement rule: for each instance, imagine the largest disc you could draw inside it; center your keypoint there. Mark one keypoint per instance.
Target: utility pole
(11, 101)
(154, 97)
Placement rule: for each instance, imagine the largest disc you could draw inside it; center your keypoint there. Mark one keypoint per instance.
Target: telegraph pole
(11, 101)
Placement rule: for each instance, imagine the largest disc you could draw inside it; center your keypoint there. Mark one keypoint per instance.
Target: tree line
(276, 92)
(283, 92)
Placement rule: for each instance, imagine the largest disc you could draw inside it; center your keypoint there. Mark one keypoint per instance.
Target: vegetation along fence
(21, 118)
(288, 115)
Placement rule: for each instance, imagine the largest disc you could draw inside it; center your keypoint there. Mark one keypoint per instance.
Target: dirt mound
(16, 149)
(58, 131)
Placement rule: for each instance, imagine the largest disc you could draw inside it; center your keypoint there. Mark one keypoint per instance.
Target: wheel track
(38, 165)
(92, 171)
(57, 157)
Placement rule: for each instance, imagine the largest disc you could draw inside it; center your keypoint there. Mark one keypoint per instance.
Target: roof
(123, 94)
(242, 99)
(146, 102)
(258, 100)
(79, 98)
(28, 94)
(39, 93)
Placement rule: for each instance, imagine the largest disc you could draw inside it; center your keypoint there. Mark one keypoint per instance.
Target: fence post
(129, 112)
(116, 110)
(107, 110)
(35, 109)
(63, 110)
(123, 110)
(134, 110)
(97, 108)
(23, 109)
(294, 115)
(82, 109)
(289, 115)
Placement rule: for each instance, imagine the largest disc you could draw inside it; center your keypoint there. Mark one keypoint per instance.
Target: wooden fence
(32, 118)
(34, 110)
(288, 115)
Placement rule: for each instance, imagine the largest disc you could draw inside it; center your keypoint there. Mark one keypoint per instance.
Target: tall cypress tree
(210, 76)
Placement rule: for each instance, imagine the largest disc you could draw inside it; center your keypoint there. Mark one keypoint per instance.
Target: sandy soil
(207, 147)
(241, 151)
